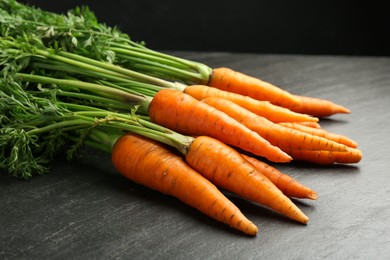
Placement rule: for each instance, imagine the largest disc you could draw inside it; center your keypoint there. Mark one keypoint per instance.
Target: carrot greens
(79, 32)
(39, 120)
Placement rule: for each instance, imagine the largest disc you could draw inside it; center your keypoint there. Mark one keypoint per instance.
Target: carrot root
(310, 124)
(318, 107)
(278, 135)
(352, 155)
(236, 82)
(183, 113)
(265, 109)
(228, 169)
(288, 185)
(322, 133)
(150, 164)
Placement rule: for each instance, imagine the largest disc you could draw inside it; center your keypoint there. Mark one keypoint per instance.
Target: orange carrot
(288, 185)
(265, 109)
(228, 169)
(317, 107)
(148, 163)
(183, 113)
(280, 136)
(236, 82)
(352, 155)
(323, 133)
(310, 124)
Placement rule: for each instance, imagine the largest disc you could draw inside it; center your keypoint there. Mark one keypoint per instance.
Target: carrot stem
(112, 92)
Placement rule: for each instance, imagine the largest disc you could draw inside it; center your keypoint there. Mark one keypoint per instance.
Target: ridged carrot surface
(183, 113)
(265, 109)
(352, 155)
(342, 139)
(228, 169)
(236, 82)
(310, 124)
(149, 163)
(278, 135)
(288, 185)
(317, 107)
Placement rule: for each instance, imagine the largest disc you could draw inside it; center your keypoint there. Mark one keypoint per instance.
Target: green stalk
(149, 91)
(123, 122)
(132, 86)
(80, 64)
(96, 88)
(96, 100)
(117, 73)
(190, 70)
(145, 128)
(159, 69)
(81, 32)
(132, 74)
(102, 139)
(61, 124)
(147, 56)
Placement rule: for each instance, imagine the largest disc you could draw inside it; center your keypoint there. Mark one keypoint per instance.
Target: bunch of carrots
(173, 125)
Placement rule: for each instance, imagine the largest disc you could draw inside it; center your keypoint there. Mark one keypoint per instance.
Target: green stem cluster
(67, 80)
(80, 32)
(38, 120)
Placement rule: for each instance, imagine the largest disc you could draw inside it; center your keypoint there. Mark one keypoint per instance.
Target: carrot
(352, 155)
(280, 136)
(310, 124)
(236, 82)
(263, 108)
(148, 163)
(288, 185)
(228, 169)
(323, 133)
(317, 107)
(183, 113)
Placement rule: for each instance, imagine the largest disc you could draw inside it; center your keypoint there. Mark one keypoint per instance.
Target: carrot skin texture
(352, 155)
(278, 135)
(227, 168)
(148, 163)
(265, 109)
(236, 82)
(323, 133)
(318, 107)
(288, 185)
(183, 113)
(310, 124)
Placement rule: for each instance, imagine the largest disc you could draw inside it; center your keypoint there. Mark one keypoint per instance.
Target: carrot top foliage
(50, 102)
(59, 88)
(79, 31)
(38, 122)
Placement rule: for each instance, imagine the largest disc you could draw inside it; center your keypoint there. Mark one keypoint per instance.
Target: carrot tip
(252, 230)
(305, 220)
(341, 109)
(313, 196)
(353, 144)
(283, 158)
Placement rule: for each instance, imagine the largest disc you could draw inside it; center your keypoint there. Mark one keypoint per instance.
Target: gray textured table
(85, 210)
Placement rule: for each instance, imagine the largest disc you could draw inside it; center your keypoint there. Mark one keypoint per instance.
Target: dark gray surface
(85, 210)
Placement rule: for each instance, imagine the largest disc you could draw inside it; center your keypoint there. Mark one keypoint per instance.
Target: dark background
(257, 26)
